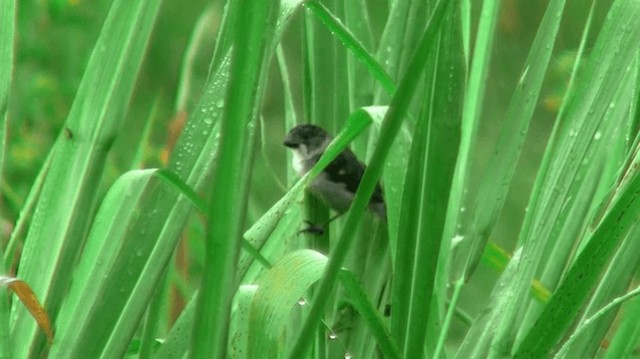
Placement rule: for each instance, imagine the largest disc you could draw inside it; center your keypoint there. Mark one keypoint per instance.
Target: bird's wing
(347, 169)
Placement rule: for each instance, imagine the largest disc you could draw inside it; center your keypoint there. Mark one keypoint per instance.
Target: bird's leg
(312, 229)
(316, 229)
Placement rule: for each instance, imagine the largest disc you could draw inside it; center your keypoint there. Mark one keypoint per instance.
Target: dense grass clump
(149, 207)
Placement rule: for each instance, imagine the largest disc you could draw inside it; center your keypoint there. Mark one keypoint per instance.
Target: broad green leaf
(281, 289)
(278, 291)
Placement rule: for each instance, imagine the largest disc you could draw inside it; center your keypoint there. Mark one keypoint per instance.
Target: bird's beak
(291, 143)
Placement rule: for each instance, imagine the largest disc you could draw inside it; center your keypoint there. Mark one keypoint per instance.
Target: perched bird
(337, 184)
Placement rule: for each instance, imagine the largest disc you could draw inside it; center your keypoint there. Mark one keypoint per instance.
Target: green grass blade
(321, 83)
(152, 321)
(360, 85)
(635, 119)
(352, 44)
(439, 128)
(21, 226)
(197, 42)
(602, 309)
(405, 25)
(472, 108)
(5, 337)
(623, 344)
(84, 324)
(7, 30)
(495, 184)
(226, 217)
(394, 179)
(378, 329)
(178, 340)
(68, 198)
(556, 265)
(478, 339)
(240, 322)
(268, 221)
(320, 58)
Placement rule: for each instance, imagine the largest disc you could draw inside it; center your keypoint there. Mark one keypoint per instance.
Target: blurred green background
(55, 40)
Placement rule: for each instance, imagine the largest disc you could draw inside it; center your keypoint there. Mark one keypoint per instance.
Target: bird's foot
(312, 229)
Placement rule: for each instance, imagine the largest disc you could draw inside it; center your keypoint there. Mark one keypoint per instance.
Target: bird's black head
(310, 136)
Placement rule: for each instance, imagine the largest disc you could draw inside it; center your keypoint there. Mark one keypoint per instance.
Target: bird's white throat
(305, 158)
(298, 162)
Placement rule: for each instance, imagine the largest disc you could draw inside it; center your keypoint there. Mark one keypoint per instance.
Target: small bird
(337, 184)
